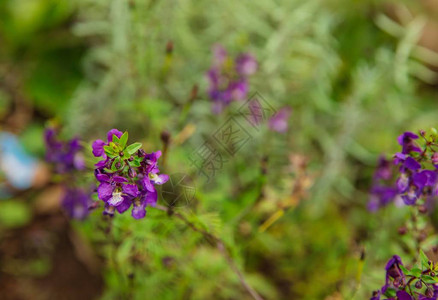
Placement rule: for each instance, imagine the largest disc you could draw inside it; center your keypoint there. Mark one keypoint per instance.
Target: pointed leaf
(131, 149)
(123, 140)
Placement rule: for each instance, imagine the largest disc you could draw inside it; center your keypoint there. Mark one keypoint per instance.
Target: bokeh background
(355, 73)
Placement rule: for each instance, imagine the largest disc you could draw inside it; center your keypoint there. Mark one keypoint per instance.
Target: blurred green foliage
(354, 78)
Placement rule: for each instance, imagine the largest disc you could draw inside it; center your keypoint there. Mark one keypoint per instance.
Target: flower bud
(132, 173)
(169, 47)
(141, 153)
(118, 165)
(418, 284)
(422, 209)
(165, 136)
(402, 230)
(131, 158)
(435, 158)
(429, 292)
(121, 153)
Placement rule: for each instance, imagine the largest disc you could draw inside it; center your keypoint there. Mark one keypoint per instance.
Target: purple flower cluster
(404, 284)
(65, 156)
(417, 176)
(127, 175)
(279, 121)
(382, 191)
(76, 203)
(228, 78)
(416, 180)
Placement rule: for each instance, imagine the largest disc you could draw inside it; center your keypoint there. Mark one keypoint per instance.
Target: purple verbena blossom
(76, 203)
(279, 121)
(65, 156)
(383, 191)
(228, 78)
(127, 175)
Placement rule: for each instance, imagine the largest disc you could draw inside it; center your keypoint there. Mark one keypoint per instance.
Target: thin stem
(214, 240)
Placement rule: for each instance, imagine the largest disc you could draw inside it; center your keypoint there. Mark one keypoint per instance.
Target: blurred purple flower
(65, 156)
(228, 83)
(279, 121)
(394, 273)
(407, 141)
(383, 191)
(76, 203)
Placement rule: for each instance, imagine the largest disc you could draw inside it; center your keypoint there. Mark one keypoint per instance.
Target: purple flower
(127, 176)
(99, 144)
(393, 272)
(115, 190)
(375, 296)
(279, 121)
(65, 156)
(407, 141)
(76, 203)
(228, 83)
(383, 190)
(403, 295)
(246, 64)
(384, 169)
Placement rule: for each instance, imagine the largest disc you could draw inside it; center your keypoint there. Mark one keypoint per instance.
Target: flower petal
(98, 148)
(112, 132)
(160, 179)
(151, 198)
(104, 191)
(130, 189)
(138, 211)
(124, 206)
(120, 179)
(147, 184)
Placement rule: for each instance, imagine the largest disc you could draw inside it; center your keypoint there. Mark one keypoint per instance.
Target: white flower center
(116, 199)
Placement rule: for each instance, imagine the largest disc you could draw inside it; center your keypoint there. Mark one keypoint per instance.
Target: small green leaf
(134, 163)
(116, 139)
(123, 140)
(109, 151)
(131, 149)
(405, 271)
(424, 259)
(428, 279)
(390, 293)
(414, 272)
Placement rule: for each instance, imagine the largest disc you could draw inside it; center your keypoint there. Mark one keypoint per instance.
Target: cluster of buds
(415, 284)
(127, 175)
(228, 78)
(417, 179)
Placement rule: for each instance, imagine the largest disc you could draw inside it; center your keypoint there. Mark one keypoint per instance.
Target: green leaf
(415, 272)
(390, 293)
(406, 271)
(123, 140)
(428, 279)
(109, 151)
(131, 149)
(134, 163)
(116, 139)
(424, 259)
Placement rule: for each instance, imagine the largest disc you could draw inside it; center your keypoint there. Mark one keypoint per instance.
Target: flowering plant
(127, 175)
(403, 284)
